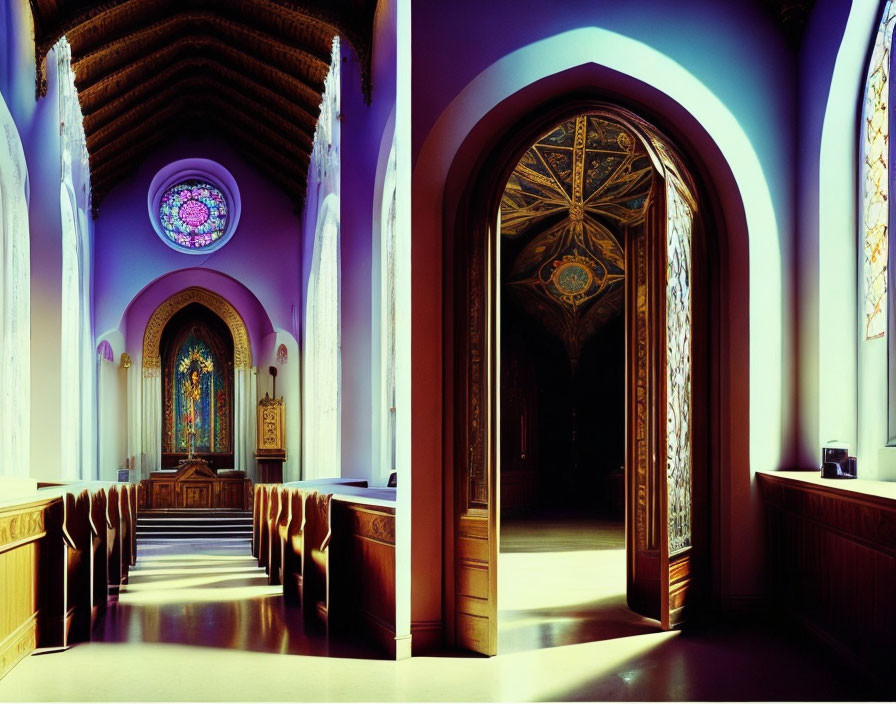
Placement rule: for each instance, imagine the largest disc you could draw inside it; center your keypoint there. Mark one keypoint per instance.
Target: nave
(198, 622)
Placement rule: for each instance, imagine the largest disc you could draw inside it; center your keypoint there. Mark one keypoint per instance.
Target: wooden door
(476, 488)
(663, 556)
(659, 447)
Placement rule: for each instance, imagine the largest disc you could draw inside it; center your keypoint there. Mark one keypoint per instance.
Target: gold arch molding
(242, 354)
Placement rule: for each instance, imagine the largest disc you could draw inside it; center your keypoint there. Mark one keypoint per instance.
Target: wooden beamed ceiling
(249, 71)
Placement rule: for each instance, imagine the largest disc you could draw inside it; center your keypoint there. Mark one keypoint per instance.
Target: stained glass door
(659, 483)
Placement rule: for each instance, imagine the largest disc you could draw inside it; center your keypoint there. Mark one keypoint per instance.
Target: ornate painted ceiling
(568, 200)
(251, 71)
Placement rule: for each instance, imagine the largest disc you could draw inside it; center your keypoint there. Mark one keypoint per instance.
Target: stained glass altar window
(200, 399)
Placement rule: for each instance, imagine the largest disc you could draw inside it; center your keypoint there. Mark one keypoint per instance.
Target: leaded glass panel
(678, 365)
(875, 186)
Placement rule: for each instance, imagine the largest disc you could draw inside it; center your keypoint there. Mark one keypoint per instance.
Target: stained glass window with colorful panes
(874, 177)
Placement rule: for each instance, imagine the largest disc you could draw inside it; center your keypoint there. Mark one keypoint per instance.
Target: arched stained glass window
(387, 233)
(200, 400)
(874, 177)
(193, 214)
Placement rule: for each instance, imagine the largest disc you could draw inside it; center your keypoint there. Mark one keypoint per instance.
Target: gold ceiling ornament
(566, 203)
(565, 210)
(242, 355)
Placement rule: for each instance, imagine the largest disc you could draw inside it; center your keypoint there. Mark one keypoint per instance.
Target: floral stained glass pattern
(193, 214)
(875, 170)
(678, 366)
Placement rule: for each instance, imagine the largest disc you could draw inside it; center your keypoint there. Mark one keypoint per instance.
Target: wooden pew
(124, 531)
(113, 541)
(273, 527)
(99, 557)
(315, 579)
(292, 538)
(362, 572)
(78, 546)
(132, 517)
(60, 559)
(257, 494)
(264, 536)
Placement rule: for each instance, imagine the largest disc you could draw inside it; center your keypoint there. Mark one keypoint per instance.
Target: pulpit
(271, 451)
(194, 484)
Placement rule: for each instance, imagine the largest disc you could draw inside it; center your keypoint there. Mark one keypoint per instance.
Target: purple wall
(256, 319)
(262, 255)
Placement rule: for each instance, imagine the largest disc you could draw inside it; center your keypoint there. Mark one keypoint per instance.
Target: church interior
(387, 350)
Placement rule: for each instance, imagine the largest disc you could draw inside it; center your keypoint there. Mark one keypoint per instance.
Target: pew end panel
(362, 572)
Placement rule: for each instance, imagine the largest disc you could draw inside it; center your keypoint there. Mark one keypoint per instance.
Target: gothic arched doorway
(620, 228)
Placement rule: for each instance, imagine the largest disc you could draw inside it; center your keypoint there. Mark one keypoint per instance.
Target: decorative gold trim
(20, 527)
(125, 360)
(242, 355)
(18, 644)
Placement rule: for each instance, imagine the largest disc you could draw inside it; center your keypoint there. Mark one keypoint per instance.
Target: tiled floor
(202, 624)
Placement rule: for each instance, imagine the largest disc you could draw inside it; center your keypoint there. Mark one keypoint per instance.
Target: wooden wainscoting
(831, 555)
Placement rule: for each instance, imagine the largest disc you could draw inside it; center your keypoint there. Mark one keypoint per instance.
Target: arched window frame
(15, 303)
(388, 401)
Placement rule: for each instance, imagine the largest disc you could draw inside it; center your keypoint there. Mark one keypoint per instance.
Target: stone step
(161, 525)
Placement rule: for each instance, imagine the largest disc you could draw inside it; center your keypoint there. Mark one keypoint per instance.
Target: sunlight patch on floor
(535, 581)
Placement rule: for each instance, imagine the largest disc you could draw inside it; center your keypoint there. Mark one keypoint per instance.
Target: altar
(194, 484)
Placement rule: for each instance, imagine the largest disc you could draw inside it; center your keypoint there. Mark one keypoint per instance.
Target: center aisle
(211, 593)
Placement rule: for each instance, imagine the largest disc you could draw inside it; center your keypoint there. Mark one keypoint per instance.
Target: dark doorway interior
(562, 429)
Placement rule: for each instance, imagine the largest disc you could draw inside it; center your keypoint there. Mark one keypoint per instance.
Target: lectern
(271, 446)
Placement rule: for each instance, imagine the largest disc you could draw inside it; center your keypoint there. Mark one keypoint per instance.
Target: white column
(244, 420)
(151, 431)
(135, 418)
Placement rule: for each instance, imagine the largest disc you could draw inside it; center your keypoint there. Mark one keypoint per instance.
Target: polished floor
(200, 623)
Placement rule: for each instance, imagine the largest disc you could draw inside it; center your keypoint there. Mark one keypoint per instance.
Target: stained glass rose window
(194, 205)
(193, 214)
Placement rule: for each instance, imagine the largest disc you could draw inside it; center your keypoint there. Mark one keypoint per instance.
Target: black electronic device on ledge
(837, 464)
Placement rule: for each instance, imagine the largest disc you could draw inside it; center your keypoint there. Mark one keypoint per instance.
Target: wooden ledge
(868, 490)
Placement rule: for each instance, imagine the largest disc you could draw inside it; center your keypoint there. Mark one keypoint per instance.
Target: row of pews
(332, 548)
(65, 552)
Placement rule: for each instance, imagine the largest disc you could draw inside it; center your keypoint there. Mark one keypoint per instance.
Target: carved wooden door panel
(476, 515)
(659, 447)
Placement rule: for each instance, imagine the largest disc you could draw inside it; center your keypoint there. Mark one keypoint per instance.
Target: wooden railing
(332, 547)
(831, 558)
(64, 552)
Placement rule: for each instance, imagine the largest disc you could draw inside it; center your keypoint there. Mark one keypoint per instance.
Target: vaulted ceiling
(250, 71)
(564, 208)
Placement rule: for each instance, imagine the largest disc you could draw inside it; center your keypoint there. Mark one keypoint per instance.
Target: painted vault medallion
(569, 199)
